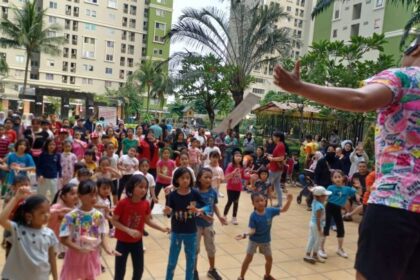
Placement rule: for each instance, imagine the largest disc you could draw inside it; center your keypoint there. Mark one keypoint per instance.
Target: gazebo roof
(274, 107)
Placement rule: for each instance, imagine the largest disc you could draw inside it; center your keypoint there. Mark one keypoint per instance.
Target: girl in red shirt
(130, 215)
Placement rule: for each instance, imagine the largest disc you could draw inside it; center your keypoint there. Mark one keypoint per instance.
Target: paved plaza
(289, 236)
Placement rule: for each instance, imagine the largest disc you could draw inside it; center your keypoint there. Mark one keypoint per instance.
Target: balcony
(75, 26)
(76, 12)
(122, 62)
(65, 66)
(74, 54)
(68, 10)
(121, 74)
(64, 79)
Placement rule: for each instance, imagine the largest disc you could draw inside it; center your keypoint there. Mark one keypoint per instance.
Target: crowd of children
(101, 186)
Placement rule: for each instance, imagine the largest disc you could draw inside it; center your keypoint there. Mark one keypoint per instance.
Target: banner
(109, 114)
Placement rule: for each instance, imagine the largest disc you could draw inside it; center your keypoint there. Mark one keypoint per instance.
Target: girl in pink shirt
(195, 154)
(68, 160)
(79, 147)
(165, 168)
(234, 175)
(64, 201)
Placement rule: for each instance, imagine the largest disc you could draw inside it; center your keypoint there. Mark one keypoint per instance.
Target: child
(337, 200)
(208, 150)
(103, 203)
(113, 158)
(259, 232)
(78, 146)
(83, 232)
(184, 161)
(165, 168)
(205, 226)
(49, 169)
(218, 175)
(234, 174)
(144, 166)
(68, 160)
(90, 160)
(32, 255)
(127, 164)
(82, 174)
(129, 142)
(181, 205)
(129, 218)
(316, 225)
(195, 154)
(64, 201)
(263, 185)
(105, 170)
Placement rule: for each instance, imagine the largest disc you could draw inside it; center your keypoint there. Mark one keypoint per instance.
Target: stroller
(306, 191)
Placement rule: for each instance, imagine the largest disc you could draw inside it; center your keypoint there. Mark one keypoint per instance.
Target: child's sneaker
(234, 221)
(341, 253)
(212, 274)
(309, 259)
(319, 259)
(322, 254)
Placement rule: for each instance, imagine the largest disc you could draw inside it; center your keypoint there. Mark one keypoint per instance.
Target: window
(89, 54)
(159, 39)
(112, 4)
(354, 30)
(357, 11)
(20, 59)
(258, 90)
(53, 5)
(377, 23)
(337, 14)
(109, 44)
(289, 9)
(109, 57)
(52, 19)
(157, 51)
(88, 67)
(379, 3)
(86, 81)
(92, 1)
(91, 13)
(160, 13)
(132, 23)
(160, 26)
(49, 77)
(108, 71)
(130, 49)
(50, 63)
(259, 80)
(334, 34)
(90, 26)
(89, 40)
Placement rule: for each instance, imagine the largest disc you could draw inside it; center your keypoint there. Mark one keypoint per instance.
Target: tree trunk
(148, 99)
(25, 80)
(212, 116)
(301, 123)
(238, 96)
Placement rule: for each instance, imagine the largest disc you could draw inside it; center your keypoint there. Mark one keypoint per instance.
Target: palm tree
(27, 30)
(162, 86)
(252, 40)
(146, 76)
(414, 5)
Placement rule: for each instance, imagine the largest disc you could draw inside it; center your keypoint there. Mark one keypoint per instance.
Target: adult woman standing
(149, 148)
(36, 138)
(277, 164)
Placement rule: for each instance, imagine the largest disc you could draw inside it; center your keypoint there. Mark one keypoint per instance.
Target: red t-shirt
(11, 134)
(132, 215)
(279, 151)
(166, 167)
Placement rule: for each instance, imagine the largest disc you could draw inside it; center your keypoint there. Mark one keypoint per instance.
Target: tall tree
(414, 5)
(246, 39)
(204, 80)
(162, 87)
(27, 30)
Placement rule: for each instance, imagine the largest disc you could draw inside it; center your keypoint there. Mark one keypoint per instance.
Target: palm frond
(414, 20)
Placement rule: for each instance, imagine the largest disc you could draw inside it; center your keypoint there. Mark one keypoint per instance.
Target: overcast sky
(180, 5)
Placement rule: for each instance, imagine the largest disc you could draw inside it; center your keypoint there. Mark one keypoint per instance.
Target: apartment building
(105, 41)
(301, 30)
(364, 18)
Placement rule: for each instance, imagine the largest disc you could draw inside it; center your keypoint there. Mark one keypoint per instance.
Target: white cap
(319, 191)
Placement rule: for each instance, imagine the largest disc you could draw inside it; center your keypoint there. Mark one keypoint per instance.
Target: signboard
(108, 113)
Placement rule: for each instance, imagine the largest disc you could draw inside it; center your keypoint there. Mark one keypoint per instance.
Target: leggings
(334, 211)
(123, 182)
(233, 197)
(136, 251)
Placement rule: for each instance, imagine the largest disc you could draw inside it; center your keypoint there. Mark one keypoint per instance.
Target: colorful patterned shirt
(84, 228)
(397, 141)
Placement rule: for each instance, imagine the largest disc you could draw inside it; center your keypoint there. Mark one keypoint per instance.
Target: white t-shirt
(130, 164)
(207, 152)
(28, 258)
(218, 175)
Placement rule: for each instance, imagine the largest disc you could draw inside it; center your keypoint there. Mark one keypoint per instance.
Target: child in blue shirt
(205, 223)
(338, 198)
(259, 232)
(316, 224)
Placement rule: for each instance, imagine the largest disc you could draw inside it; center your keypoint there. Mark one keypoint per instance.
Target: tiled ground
(289, 236)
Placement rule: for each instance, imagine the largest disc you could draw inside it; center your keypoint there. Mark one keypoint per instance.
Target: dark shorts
(114, 188)
(389, 244)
